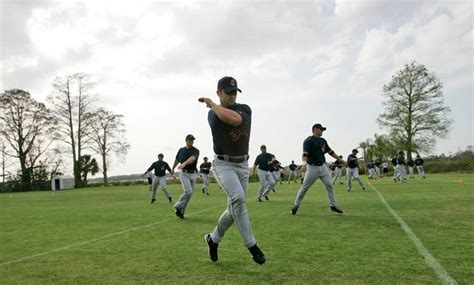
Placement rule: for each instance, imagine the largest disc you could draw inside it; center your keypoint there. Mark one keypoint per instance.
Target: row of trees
(38, 135)
(414, 115)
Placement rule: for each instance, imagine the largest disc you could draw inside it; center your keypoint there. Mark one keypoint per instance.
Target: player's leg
(350, 173)
(154, 185)
(262, 176)
(309, 178)
(186, 183)
(357, 177)
(164, 187)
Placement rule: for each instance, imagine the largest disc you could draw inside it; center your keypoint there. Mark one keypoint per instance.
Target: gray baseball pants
(420, 170)
(266, 182)
(312, 174)
(159, 180)
(337, 175)
(233, 179)
(205, 182)
(410, 170)
(353, 172)
(187, 182)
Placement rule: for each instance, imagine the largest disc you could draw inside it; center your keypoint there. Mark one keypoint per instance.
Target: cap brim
(232, 89)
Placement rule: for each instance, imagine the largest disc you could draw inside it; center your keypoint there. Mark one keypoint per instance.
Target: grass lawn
(114, 235)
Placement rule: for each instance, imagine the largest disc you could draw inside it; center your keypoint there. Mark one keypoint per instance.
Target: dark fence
(18, 186)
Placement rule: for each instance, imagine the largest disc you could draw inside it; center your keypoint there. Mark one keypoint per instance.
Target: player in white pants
(264, 163)
(204, 168)
(419, 166)
(231, 168)
(314, 149)
(353, 170)
(187, 158)
(159, 168)
(292, 167)
(337, 172)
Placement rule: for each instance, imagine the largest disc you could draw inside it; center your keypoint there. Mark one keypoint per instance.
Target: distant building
(62, 182)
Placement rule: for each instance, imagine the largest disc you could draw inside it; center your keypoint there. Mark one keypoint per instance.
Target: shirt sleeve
(196, 153)
(306, 146)
(168, 167)
(246, 113)
(151, 167)
(328, 148)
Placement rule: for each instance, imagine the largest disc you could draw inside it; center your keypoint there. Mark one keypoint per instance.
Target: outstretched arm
(226, 115)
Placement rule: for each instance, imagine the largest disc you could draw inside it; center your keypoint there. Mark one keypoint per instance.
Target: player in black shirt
(187, 158)
(353, 170)
(159, 167)
(314, 149)
(410, 164)
(419, 166)
(230, 124)
(204, 168)
(337, 171)
(264, 162)
(292, 167)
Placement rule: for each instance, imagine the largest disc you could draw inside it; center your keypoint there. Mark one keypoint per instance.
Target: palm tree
(88, 165)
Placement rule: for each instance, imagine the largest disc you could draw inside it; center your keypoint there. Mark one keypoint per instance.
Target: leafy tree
(27, 127)
(415, 113)
(107, 137)
(71, 99)
(88, 165)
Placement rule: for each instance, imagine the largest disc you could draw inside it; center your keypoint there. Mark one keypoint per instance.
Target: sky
(297, 62)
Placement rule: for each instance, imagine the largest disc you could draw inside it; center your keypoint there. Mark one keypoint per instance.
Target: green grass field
(115, 236)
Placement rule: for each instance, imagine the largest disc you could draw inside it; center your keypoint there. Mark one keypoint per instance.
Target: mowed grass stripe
(442, 274)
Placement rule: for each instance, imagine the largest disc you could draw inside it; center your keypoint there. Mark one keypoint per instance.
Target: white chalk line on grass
(429, 259)
(97, 239)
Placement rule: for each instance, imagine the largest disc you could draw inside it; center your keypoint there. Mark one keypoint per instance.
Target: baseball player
(377, 165)
(384, 168)
(395, 169)
(410, 164)
(400, 168)
(292, 167)
(353, 170)
(264, 162)
(230, 124)
(187, 158)
(159, 167)
(419, 166)
(337, 171)
(314, 149)
(204, 168)
(275, 171)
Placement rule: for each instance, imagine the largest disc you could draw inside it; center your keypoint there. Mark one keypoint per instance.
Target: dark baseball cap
(355, 150)
(318, 126)
(228, 84)
(160, 155)
(190, 137)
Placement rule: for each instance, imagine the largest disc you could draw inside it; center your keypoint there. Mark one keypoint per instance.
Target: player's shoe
(170, 199)
(212, 246)
(153, 201)
(266, 198)
(178, 213)
(259, 200)
(348, 190)
(336, 210)
(363, 188)
(257, 254)
(294, 210)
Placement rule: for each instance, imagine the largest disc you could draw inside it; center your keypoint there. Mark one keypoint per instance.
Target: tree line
(39, 135)
(414, 115)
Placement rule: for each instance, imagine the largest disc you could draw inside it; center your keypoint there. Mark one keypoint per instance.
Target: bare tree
(415, 112)
(108, 137)
(27, 127)
(71, 99)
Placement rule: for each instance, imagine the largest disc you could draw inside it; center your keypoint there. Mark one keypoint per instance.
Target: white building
(62, 182)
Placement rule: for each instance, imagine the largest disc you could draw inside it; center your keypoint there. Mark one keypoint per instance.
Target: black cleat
(178, 213)
(153, 201)
(259, 200)
(266, 198)
(363, 188)
(257, 254)
(336, 210)
(170, 199)
(294, 210)
(212, 246)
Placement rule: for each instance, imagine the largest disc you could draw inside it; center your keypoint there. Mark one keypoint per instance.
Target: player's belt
(236, 159)
(317, 163)
(190, 171)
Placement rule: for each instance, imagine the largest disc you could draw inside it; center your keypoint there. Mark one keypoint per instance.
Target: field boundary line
(442, 274)
(99, 238)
